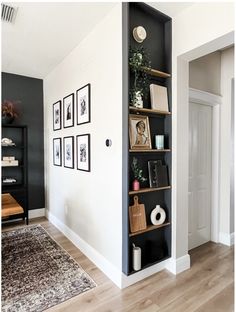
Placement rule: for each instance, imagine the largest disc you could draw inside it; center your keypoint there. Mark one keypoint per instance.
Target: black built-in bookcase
(19, 189)
(155, 244)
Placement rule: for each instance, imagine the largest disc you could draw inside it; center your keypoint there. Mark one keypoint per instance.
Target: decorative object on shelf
(139, 59)
(139, 132)
(83, 104)
(138, 174)
(159, 98)
(139, 34)
(10, 162)
(159, 141)
(158, 175)
(83, 152)
(8, 180)
(7, 142)
(137, 99)
(158, 215)
(152, 171)
(137, 216)
(68, 110)
(69, 152)
(57, 158)
(135, 185)
(57, 116)
(137, 253)
(8, 112)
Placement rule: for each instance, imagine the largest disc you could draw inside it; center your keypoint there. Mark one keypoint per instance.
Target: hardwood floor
(207, 287)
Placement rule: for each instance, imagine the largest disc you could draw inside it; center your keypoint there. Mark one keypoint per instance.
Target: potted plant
(138, 61)
(138, 174)
(8, 112)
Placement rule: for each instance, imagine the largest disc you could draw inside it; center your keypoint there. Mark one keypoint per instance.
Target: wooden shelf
(148, 111)
(149, 228)
(149, 151)
(150, 189)
(156, 73)
(10, 206)
(12, 146)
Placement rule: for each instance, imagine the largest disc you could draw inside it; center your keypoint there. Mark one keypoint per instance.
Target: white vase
(136, 258)
(156, 211)
(138, 102)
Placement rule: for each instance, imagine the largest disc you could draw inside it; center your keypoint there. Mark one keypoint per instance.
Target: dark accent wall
(29, 92)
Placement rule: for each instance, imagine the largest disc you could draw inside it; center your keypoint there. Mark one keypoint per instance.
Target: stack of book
(9, 161)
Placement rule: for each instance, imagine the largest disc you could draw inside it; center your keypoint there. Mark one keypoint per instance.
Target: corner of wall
(178, 265)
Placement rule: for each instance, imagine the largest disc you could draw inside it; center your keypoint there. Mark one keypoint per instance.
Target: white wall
(199, 30)
(204, 73)
(227, 73)
(94, 199)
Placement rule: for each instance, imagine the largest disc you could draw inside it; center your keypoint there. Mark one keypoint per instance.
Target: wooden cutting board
(137, 216)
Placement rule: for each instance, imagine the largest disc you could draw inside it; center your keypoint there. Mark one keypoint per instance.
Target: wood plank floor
(207, 287)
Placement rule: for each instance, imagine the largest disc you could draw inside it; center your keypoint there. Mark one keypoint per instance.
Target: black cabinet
(15, 171)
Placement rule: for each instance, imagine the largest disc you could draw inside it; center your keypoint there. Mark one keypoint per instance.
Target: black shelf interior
(155, 244)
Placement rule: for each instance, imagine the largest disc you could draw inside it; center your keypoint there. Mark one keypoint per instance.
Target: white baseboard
(226, 239)
(138, 276)
(36, 213)
(175, 266)
(105, 266)
(178, 265)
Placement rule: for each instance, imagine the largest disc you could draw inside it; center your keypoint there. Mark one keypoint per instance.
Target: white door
(199, 227)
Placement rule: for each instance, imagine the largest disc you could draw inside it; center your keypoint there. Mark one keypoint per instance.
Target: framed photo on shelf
(57, 158)
(57, 116)
(139, 132)
(83, 152)
(158, 174)
(69, 152)
(68, 110)
(83, 104)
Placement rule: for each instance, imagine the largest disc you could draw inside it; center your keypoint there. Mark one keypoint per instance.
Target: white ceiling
(46, 32)
(171, 8)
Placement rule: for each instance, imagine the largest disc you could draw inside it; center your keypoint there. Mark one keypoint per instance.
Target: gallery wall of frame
(68, 149)
(147, 119)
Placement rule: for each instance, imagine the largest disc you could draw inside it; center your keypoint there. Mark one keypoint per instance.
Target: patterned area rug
(37, 273)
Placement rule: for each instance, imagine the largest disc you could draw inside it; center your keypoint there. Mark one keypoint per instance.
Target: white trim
(36, 213)
(178, 265)
(175, 266)
(105, 266)
(204, 98)
(138, 276)
(226, 239)
(213, 100)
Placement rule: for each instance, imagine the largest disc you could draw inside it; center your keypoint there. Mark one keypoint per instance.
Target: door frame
(209, 99)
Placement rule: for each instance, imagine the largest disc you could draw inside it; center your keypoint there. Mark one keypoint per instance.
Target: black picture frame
(57, 116)
(83, 143)
(68, 111)
(68, 148)
(57, 150)
(83, 104)
(158, 174)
